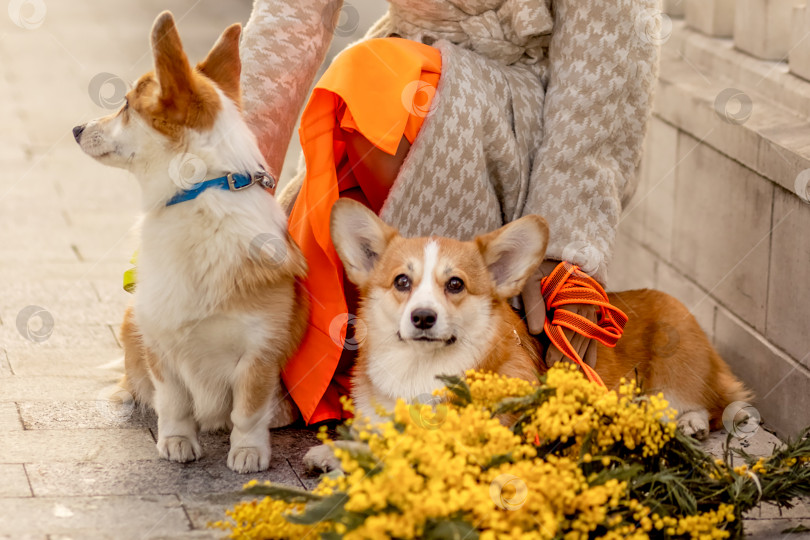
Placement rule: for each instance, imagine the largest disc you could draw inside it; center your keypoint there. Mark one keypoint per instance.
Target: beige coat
(541, 108)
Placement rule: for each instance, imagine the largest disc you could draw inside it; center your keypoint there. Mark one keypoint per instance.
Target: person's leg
(374, 170)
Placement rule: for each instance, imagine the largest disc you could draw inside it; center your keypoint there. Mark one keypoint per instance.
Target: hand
(584, 346)
(535, 308)
(533, 303)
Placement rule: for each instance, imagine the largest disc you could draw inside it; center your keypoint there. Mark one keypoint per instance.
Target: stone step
(752, 111)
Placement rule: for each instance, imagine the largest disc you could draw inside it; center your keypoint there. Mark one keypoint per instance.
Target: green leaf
(327, 509)
(617, 473)
(282, 493)
(499, 460)
(796, 530)
(459, 388)
(456, 529)
(586, 445)
(514, 404)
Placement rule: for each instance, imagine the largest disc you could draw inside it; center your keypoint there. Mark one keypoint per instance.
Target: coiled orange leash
(566, 285)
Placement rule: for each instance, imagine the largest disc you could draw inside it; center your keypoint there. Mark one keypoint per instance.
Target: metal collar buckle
(232, 183)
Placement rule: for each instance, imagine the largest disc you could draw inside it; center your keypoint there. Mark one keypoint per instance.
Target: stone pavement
(73, 464)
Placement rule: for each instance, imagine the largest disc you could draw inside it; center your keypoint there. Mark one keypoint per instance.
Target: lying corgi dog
(218, 307)
(433, 306)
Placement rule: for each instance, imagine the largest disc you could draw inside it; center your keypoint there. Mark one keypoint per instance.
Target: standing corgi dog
(435, 306)
(215, 314)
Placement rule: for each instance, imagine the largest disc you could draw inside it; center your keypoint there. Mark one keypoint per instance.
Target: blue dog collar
(229, 182)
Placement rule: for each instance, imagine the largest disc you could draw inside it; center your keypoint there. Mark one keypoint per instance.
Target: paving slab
(21, 389)
(53, 446)
(104, 412)
(15, 481)
(9, 417)
(5, 365)
(773, 529)
(114, 518)
(70, 361)
(156, 476)
(207, 508)
(799, 510)
(760, 443)
(33, 329)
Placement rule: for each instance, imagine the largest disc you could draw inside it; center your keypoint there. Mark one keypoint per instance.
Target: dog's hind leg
(693, 420)
(284, 410)
(136, 381)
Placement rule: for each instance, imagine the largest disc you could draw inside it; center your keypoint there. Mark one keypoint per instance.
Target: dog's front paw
(321, 458)
(694, 424)
(180, 449)
(248, 459)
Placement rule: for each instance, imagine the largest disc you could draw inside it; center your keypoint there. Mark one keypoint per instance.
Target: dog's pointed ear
(222, 65)
(172, 70)
(513, 252)
(360, 238)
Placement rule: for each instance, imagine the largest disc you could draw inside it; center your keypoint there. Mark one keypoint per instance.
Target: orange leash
(566, 285)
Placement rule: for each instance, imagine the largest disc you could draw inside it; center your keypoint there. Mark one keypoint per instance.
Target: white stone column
(762, 27)
(712, 17)
(799, 56)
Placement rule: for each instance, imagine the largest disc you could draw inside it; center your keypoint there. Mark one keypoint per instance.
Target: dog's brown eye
(454, 285)
(402, 283)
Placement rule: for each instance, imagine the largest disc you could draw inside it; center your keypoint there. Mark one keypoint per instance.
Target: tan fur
(220, 67)
(663, 347)
(295, 304)
(137, 362)
(214, 318)
(174, 96)
(278, 293)
(514, 353)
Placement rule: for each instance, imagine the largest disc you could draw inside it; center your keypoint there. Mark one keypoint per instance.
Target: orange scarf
(372, 88)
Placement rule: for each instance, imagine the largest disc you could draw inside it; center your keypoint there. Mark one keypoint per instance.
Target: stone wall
(721, 218)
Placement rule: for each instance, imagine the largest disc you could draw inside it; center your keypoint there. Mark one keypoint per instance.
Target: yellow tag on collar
(131, 274)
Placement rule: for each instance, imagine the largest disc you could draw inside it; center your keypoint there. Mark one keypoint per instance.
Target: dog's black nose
(77, 132)
(423, 318)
